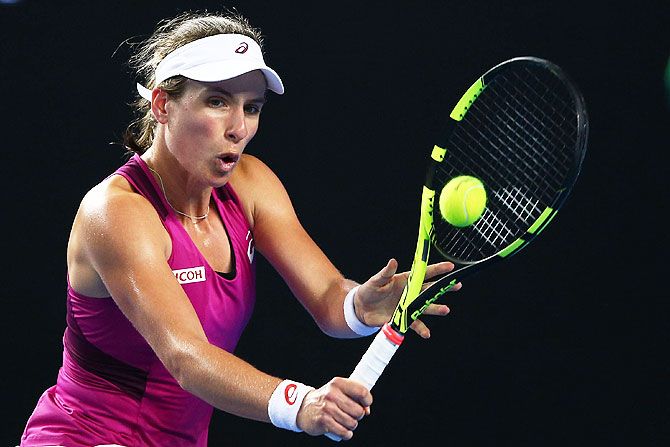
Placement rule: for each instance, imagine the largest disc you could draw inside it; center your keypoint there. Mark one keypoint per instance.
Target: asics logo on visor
(242, 48)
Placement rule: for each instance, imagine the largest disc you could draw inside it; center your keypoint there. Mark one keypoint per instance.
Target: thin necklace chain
(194, 219)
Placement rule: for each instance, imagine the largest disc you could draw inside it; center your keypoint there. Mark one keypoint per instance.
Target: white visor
(215, 58)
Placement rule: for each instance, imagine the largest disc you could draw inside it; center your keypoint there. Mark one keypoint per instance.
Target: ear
(158, 102)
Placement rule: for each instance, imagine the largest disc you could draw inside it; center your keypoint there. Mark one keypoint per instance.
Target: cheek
(252, 131)
(197, 128)
(252, 127)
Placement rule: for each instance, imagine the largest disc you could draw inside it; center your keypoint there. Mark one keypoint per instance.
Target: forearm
(337, 315)
(223, 380)
(325, 307)
(234, 386)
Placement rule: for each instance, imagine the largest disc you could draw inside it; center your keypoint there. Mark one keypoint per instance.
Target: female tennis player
(161, 264)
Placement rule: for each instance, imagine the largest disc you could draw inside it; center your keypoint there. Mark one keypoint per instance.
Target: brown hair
(169, 35)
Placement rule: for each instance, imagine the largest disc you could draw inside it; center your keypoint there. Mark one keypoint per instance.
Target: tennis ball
(462, 201)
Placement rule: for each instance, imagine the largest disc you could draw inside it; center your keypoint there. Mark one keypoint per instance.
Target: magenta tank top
(112, 388)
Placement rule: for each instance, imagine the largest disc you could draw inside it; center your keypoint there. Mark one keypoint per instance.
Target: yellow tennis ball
(462, 201)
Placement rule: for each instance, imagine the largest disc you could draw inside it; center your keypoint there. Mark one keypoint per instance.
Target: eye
(216, 101)
(253, 109)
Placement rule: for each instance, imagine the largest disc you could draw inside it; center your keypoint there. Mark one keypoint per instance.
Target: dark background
(565, 344)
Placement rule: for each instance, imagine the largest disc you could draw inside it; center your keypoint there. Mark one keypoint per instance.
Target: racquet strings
(519, 137)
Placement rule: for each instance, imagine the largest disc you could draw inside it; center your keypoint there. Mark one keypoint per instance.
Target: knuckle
(359, 397)
(322, 421)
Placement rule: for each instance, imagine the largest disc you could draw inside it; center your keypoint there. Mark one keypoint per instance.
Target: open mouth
(228, 161)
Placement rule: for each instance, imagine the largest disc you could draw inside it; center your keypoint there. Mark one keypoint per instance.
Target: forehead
(252, 83)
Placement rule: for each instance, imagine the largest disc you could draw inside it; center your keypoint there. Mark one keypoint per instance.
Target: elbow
(329, 329)
(179, 370)
(334, 326)
(182, 363)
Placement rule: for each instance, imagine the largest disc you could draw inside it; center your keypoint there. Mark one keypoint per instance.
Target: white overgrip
(373, 362)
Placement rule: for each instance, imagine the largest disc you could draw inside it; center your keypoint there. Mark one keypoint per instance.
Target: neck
(192, 203)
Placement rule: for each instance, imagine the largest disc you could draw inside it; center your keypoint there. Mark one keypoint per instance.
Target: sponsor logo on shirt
(250, 248)
(193, 274)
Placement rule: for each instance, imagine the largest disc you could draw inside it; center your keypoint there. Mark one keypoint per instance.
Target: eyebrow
(225, 92)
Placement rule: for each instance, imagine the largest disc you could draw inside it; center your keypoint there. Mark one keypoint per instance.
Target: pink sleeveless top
(112, 388)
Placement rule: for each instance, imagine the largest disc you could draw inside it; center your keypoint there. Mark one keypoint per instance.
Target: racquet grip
(375, 359)
(373, 362)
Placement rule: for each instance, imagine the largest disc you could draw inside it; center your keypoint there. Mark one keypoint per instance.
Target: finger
(456, 287)
(439, 268)
(420, 328)
(344, 412)
(341, 432)
(358, 393)
(437, 309)
(385, 274)
(345, 416)
(353, 396)
(345, 420)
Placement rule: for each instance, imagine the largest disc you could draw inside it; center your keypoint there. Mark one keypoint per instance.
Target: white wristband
(352, 320)
(285, 402)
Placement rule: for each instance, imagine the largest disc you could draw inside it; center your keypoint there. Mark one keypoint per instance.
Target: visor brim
(221, 71)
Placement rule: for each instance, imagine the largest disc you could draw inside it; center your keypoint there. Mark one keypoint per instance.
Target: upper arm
(125, 243)
(281, 238)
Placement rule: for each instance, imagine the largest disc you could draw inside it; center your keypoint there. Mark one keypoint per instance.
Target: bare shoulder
(113, 227)
(258, 187)
(252, 170)
(113, 201)
(112, 211)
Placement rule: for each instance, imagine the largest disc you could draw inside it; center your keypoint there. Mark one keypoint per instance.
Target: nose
(236, 129)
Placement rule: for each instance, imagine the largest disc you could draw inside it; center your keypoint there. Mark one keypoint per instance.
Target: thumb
(385, 274)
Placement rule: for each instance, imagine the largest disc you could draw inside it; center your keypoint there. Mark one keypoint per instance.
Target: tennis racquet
(521, 129)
